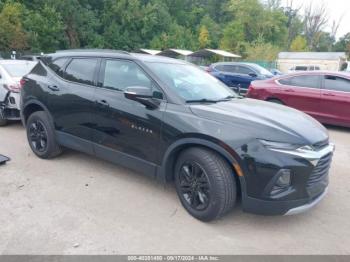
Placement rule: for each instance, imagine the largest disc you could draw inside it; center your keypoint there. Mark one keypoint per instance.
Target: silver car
(11, 73)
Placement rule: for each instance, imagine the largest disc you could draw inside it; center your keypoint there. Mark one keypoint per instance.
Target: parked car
(11, 72)
(303, 68)
(30, 57)
(238, 76)
(172, 121)
(323, 95)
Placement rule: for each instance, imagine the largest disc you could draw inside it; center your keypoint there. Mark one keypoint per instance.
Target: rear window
(302, 81)
(58, 65)
(18, 70)
(81, 70)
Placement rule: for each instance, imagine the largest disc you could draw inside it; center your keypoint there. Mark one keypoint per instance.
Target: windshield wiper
(204, 100)
(227, 98)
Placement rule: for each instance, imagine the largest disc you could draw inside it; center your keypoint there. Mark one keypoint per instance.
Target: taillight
(22, 82)
(250, 89)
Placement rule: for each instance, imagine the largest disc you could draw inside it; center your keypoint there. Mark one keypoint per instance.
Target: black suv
(172, 121)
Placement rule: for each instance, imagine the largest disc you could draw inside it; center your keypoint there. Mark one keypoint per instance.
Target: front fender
(165, 173)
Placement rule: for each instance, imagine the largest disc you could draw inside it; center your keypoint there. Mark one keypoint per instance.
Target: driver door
(125, 131)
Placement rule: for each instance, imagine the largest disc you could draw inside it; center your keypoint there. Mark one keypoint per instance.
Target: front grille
(321, 171)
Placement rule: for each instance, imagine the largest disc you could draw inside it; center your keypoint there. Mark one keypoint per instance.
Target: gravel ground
(77, 204)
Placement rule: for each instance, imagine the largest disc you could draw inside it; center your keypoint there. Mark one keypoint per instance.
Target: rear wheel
(41, 136)
(205, 184)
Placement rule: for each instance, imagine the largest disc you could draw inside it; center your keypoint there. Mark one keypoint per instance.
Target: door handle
(103, 103)
(290, 90)
(53, 88)
(328, 94)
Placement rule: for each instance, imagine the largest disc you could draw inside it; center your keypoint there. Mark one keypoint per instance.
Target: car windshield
(191, 83)
(18, 70)
(262, 70)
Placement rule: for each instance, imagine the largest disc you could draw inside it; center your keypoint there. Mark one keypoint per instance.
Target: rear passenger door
(303, 92)
(336, 100)
(71, 101)
(125, 131)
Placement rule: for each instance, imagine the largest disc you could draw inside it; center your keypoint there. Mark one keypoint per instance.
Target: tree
(299, 44)
(343, 44)
(12, 34)
(203, 37)
(325, 42)
(259, 50)
(315, 19)
(233, 37)
(45, 29)
(294, 22)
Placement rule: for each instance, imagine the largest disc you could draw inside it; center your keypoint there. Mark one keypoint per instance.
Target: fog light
(284, 179)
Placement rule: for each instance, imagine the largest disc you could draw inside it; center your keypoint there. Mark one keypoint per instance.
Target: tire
(216, 197)
(41, 136)
(3, 122)
(276, 101)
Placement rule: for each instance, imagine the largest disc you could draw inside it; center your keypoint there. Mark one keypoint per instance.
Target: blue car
(238, 76)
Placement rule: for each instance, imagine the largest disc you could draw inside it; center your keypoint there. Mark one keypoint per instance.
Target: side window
(244, 70)
(230, 68)
(337, 83)
(220, 68)
(302, 81)
(81, 70)
(58, 65)
(121, 74)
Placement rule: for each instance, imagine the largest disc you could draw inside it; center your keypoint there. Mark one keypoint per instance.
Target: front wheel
(205, 184)
(3, 121)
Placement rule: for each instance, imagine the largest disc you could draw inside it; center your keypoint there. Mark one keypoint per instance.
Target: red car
(323, 95)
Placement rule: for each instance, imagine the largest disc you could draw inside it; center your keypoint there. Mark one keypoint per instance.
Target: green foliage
(12, 35)
(241, 26)
(203, 38)
(299, 44)
(343, 45)
(45, 29)
(259, 50)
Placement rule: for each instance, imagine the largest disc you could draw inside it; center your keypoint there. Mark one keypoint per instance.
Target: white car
(11, 73)
(301, 68)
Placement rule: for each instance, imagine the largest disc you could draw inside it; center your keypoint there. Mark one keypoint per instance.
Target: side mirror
(142, 95)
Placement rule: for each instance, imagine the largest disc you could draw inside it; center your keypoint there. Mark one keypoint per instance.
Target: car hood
(264, 120)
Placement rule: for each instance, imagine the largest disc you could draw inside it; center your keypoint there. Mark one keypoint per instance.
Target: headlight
(285, 146)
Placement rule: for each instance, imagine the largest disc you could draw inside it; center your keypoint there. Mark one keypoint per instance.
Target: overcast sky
(336, 9)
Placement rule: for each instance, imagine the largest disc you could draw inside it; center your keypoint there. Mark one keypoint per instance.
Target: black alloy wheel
(41, 135)
(205, 183)
(38, 136)
(194, 184)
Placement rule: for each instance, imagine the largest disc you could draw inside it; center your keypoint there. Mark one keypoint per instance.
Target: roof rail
(94, 50)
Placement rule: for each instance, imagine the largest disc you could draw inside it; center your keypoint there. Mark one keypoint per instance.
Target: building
(208, 56)
(176, 53)
(333, 61)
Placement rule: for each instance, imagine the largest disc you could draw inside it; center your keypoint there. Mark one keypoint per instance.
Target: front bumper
(10, 107)
(309, 184)
(307, 207)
